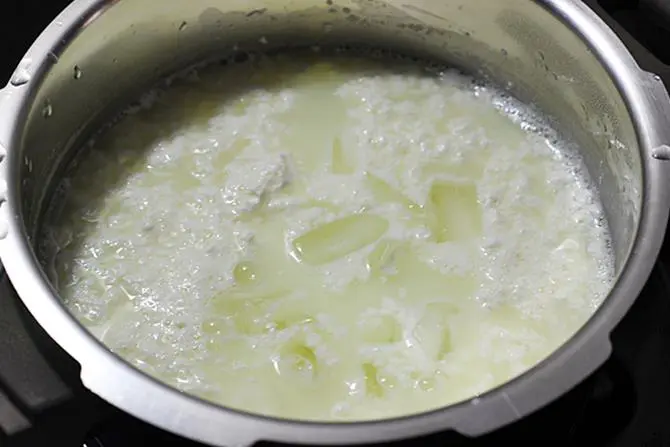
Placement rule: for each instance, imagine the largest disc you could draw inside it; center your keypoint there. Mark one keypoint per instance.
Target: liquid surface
(330, 238)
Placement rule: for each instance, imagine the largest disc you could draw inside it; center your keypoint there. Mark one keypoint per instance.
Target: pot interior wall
(125, 47)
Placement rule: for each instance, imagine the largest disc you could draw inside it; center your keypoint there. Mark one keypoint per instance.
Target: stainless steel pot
(555, 53)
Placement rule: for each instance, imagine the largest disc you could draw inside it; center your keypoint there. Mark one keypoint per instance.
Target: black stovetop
(624, 403)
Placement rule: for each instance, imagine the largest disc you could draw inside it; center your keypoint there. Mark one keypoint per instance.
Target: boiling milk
(330, 238)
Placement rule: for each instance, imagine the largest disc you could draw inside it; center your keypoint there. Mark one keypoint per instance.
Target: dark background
(21, 21)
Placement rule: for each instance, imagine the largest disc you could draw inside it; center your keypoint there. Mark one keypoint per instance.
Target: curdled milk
(330, 238)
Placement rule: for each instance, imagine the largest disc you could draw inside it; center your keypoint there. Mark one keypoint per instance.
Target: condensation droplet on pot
(22, 74)
(504, 52)
(20, 77)
(327, 27)
(257, 12)
(77, 72)
(47, 110)
(53, 56)
(4, 228)
(4, 225)
(183, 25)
(263, 40)
(661, 152)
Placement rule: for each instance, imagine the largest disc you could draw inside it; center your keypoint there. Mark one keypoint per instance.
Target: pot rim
(124, 386)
